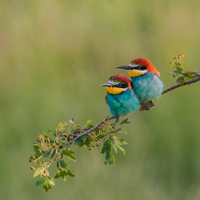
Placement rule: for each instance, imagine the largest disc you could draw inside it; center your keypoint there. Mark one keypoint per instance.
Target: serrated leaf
(106, 147)
(62, 129)
(48, 183)
(125, 121)
(180, 79)
(175, 72)
(63, 164)
(58, 174)
(36, 144)
(52, 154)
(45, 134)
(35, 148)
(84, 138)
(107, 155)
(40, 181)
(51, 180)
(79, 142)
(49, 129)
(61, 126)
(66, 145)
(114, 147)
(115, 131)
(68, 155)
(88, 124)
(103, 150)
(123, 150)
(62, 174)
(70, 173)
(111, 160)
(38, 171)
(119, 139)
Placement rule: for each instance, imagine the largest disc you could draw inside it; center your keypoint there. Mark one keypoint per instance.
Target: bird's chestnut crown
(117, 84)
(140, 66)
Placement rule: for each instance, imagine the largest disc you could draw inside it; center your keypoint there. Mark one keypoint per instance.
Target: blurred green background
(54, 54)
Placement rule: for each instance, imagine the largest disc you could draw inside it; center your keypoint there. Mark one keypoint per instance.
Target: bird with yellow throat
(120, 97)
(145, 81)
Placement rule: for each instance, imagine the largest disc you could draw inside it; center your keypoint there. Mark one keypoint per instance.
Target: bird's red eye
(118, 85)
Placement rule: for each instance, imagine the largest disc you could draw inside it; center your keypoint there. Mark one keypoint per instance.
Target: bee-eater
(120, 96)
(145, 81)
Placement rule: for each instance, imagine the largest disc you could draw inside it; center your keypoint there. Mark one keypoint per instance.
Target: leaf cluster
(179, 72)
(54, 146)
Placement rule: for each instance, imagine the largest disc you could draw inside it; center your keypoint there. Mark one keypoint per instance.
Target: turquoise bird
(120, 96)
(145, 81)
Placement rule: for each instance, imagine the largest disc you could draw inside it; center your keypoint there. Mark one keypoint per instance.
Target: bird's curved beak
(107, 84)
(123, 67)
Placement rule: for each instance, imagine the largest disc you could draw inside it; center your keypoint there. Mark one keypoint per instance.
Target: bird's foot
(117, 119)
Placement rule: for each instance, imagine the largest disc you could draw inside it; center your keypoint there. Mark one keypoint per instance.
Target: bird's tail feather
(146, 106)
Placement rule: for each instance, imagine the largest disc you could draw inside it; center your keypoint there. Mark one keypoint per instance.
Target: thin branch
(179, 85)
(88, 131)
(107, 119)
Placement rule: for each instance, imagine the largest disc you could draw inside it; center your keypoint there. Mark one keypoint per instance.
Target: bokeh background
(54, 54)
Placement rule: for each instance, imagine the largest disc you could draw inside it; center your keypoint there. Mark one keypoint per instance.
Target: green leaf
(123, 150)
(37, 156)
(106, 147)
(111, 160)
(36, 145)
(63, 164)
(61, 126)
(125, 121)
(49, 129)
(45, 134)
(66, 145)
(115, 131)
(35, 148)
(84, 138)
(70, 173)
(175, 73)
(62, 174)
(180, 79)
(114, 147)
(38, 171)
(119, 139)
(48, 183)
(107, 155)
(40, 181)
(58, 174)
(79, 142)
(52, 154)
(68, 155)
(87, 123)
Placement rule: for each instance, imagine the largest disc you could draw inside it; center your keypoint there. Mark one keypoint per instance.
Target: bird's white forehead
(110, 81)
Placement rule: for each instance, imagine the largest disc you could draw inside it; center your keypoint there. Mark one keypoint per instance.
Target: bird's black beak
(107, 84)
(123, 67)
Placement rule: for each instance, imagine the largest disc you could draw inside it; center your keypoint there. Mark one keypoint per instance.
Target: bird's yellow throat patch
(135, 73)
(114, 90)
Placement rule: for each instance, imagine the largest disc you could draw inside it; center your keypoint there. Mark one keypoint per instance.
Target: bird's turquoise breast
(123, 103)
(147, 87)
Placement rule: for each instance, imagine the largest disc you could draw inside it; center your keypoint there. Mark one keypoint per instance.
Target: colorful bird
(145, 81)
(120, 96)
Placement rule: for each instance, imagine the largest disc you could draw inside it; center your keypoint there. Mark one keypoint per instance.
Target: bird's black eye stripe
(141, 67)
(121, 85)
